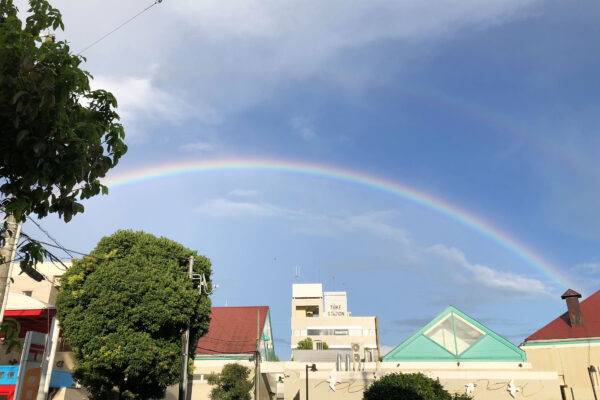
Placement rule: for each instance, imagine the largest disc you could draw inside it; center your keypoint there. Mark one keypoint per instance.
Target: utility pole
(11, 240)
(185, 346)
(257, 359)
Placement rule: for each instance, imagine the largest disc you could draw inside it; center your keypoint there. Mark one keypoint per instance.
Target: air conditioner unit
(356, 355)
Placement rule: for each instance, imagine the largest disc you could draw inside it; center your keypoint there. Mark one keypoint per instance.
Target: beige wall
(571, 362)
(490, 379)
(200, 389)
(367, 339)
(43, 291)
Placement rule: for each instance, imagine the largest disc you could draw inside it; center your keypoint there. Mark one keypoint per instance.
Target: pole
(11, 240)
(48, 361)
(23, 365)
(257, 359)
(185, 346)
(306, 382)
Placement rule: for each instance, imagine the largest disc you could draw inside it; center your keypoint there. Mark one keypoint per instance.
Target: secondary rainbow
(354, 177)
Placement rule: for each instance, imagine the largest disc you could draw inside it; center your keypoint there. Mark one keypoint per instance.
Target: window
(443, 334)
(466, 334)
(454, 334)
(27, 293)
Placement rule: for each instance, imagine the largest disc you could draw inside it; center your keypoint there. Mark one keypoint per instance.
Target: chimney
(575, 315)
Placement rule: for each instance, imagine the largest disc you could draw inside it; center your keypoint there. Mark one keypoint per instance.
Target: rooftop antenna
(297, 273)
(334, 283)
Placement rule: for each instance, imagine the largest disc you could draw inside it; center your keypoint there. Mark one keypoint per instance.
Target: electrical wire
(68, 251)
(51, 238)
(119, 27)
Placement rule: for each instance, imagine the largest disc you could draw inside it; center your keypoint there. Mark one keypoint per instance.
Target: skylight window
(454, 334)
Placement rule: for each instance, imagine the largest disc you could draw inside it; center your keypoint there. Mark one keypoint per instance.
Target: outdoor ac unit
(356, 354)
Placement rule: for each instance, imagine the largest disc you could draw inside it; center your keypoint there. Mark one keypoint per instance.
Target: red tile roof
(232, 331)
(560, 328)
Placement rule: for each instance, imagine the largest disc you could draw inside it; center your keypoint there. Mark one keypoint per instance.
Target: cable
(120, 26)
(68, 251)
(51, 238)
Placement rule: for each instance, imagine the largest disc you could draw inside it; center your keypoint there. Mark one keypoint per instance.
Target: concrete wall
(200, 389)
(490, 380)
(343, 341)
(571, 362)
(43, 291)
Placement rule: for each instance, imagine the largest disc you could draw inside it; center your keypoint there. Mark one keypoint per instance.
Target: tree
(58, 137)
(306, 344)
(417, 386)
(123, 310)
(231, 384)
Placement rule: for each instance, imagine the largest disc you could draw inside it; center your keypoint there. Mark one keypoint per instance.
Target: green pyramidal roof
(454, 336)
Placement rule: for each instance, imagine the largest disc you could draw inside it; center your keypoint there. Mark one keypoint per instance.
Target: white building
(324, 318)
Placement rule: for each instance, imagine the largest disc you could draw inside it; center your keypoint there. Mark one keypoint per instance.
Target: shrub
(399, 386)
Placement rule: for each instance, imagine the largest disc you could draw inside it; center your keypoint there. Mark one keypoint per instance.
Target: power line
(51, 238)
(120, 26)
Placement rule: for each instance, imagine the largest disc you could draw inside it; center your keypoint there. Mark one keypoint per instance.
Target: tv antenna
(297, 273)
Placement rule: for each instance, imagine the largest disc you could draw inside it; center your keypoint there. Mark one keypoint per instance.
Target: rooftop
(561, 329)
(232, 330)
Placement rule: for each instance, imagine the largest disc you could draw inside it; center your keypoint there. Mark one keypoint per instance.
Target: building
(466, 356)
(235, 335)
(324, 318)
(570, 345)
(31, 304)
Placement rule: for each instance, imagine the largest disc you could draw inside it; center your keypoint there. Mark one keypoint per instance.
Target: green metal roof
(454, 336)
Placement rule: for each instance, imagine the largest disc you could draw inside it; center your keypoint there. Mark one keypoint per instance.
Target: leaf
(21, 135)
(18, 95)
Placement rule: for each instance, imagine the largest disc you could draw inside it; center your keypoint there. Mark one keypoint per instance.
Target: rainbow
(350, 176)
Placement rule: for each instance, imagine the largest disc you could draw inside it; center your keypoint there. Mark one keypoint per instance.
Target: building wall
(200, 389)
(491, 380)
(44, 291)
(361, 330)
(571, 361)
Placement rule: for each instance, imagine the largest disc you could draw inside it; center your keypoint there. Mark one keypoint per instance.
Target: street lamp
(313, 368)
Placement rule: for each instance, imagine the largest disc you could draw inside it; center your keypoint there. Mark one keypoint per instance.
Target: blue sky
(488, 105)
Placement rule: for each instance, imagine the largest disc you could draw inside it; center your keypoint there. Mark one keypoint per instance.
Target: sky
(488, 108)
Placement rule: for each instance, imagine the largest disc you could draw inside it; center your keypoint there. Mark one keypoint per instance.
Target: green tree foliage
(398, 386)
(58, 136)
(231, 384)
(306, 344)
(123, 310)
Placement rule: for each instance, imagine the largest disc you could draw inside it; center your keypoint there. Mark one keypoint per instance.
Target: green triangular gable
(490, 347)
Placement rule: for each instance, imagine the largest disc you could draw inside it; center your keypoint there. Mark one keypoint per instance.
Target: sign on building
(336, 304)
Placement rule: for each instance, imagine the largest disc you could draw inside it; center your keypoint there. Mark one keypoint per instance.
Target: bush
(399, 386)
(306, 344)
(231, 384)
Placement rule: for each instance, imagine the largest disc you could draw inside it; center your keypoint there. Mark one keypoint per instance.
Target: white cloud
(302, 126)
(243, 193)
(225, 208)
(593, 267)
(445, 263)
(222, 57)
(198, 147)
(386, 349)
(139, 98)
(486, 276)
